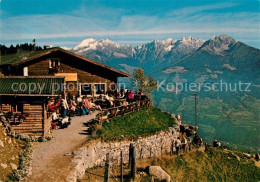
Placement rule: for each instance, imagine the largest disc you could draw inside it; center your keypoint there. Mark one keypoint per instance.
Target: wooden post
(172, 147)
(121, 166)
(141, 153)
(133, 163)
(130, 154)
(107, 166)
(206, 147)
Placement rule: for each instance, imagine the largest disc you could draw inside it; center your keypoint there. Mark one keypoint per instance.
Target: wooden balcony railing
(122, 110)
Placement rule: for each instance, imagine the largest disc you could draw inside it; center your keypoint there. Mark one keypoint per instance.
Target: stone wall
(95, 154)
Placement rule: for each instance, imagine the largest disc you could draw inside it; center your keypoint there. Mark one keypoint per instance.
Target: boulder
(3, 165)
(13, 166)
(1, 144)
(9, 140)
(188, 129)
(158, 173)
(247, 155)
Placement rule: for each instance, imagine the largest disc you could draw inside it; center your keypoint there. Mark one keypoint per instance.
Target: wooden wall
(32, 125)
(39, 68)
(86, 72)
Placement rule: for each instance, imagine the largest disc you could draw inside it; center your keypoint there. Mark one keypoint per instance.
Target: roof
(32, 85)
(41, 53)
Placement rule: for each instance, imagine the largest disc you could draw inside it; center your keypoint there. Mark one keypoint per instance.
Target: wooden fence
(109, 167)
(122, 110)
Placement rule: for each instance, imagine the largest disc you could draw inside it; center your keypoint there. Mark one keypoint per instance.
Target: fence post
(130, 154)
(133, 163)
(121, 166)
(172, 147)
(107, 166)
(141, 153)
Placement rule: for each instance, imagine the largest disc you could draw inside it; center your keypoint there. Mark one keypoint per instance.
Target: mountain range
(230, 116)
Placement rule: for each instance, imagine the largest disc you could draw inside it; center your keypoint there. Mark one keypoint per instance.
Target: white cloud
(91, 22)
(196, 9)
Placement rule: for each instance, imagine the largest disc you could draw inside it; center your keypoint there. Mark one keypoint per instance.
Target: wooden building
(83, 76)
(29, 95)
(61, 72)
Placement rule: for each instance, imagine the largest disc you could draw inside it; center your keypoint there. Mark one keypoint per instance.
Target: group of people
(131, 96)
(184, 143)
(78, 106)
(71, 106)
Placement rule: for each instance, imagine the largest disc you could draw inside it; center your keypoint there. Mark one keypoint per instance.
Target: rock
(13, 166)
(1, 144)
(238, 158)
(159, 173)
(9, 140)
(68, 154)
(188, 129)
(3, 165)
(247, 155)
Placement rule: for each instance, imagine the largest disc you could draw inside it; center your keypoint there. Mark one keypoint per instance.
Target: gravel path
(51, 160)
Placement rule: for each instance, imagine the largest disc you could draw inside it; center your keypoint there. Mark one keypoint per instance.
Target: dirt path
(51, 161)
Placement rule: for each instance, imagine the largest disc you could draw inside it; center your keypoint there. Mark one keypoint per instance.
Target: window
(93, 89)
(54, 63)
(100, 88)
(25, 71)
(86, 89)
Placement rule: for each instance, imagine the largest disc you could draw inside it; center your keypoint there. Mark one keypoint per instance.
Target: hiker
(197, 140)
(178, 145)
(184, 144)
(216, 143)
(190, 144)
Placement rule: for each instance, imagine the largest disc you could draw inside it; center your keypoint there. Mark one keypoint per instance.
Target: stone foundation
(95, 154)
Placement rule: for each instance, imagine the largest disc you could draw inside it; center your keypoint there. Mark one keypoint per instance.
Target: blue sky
(67, 22)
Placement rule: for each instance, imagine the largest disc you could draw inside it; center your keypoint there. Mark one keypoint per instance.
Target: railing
(122, 110)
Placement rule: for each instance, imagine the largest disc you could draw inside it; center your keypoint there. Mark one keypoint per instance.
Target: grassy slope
(145, 122)
(8, 154)
(215, 165)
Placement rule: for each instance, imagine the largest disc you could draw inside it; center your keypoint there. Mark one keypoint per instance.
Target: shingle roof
(32, 86)
(48, 51)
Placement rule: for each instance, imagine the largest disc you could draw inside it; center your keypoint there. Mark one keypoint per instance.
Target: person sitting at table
(131, 96)
(86, 103)
(54, 117)
(122, 92)
(94, 106)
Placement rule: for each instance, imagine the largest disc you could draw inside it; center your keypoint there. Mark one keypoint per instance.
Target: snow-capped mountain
(149, 54)
(160, 54)
(105, 46)
(191, 60)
